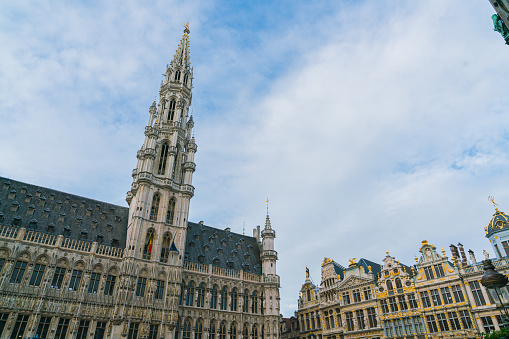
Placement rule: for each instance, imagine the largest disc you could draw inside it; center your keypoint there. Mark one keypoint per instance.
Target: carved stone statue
(499, 26)
(486, 254)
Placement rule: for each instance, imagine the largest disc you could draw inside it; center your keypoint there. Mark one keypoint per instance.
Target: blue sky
(369, 125)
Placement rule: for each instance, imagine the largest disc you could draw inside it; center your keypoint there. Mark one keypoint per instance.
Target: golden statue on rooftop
(490, 198)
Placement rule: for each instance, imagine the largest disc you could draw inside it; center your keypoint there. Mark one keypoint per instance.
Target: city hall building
(73, 267)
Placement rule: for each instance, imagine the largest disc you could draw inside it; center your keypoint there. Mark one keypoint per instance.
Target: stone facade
(72, 267)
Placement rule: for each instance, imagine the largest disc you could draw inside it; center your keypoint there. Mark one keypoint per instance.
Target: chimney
(201, 222)
(454, 251)
(472, 257)
(464, 261)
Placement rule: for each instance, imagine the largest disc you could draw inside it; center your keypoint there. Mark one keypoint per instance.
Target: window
(487, 323)
(254, 303)
(170, 212)
(338, 318)
(100, 328)
(110, 284)
(372, 317)
(331, 318)
(360, 320)
(63, 325)
(140, 287)
(367, 293)
(19, 326)
(165, 248)
(190, 294)
(411, 301)
(224, 298)
(3, 321)
(458, 293)
(233, 300)
(177, 75)
(152, 332)
(171, 109)
(389, 331)
(465, 319)
(453, 319)
(505, 244)
(43, 328)
(147, 248)
(222, 331)
(163, 158)
(83, 329)
(356, 296)
(349, 321)
(186, 330)
(133, 331)
(419, 326)
(439, 270)
(58, 277)
(2, 263)
(154, 208)
(74, 283)
(429, 273)
(442, 322)
(498, 251)
(446, 295)
(346, 298)
(159, 289)
(402, 304)
(18, 272)
(425, 299)
(94, 282)
(37, 274)
(213, 297)
(476, 291)
(200, 301)
(245, 333)
(245, 301)
(212, 332)
(385, 309)
(255, 332)
(435, 297)
(399, 286)
(432, 325)
(233, 331)
(186, 76)
(390, 288)
(392, 304)
(198, 330)
(398, 327)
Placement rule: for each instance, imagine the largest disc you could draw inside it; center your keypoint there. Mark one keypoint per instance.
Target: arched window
(186, 330)
(224, 298)
(177, 329)
(163, 158)
(147, 249)
(171, 109)
(176, 162)
(263, 331)
(245, 301)
(181, 293)
(245, 332)
(233, 331)
(190, 294)
(389, 285)
(200, 301)
(198, 329)
(254, 303)
(213, 297)
(154, 209)
(186, 76)
(170, 212)
(398, 283)
(165, 248)
(233, 300)
(222, 331)
(177, 75)
(255, 332)
(212, 332)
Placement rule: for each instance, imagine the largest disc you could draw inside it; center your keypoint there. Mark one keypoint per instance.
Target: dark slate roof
(222, 248)
(339, 269)
(375, 268)
(50, 211)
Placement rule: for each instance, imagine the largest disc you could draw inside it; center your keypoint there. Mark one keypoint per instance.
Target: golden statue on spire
(490, 198)
(307, 272)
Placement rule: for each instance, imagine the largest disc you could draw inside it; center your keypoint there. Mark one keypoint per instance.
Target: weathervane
(267, 201)
(490, 198)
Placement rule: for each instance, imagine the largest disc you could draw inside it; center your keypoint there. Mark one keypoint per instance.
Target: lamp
(496, 285)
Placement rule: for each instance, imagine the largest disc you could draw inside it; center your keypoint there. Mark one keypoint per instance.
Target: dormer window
(67, 231)
(14, 206)
(78, 221)
(42, 201)
(84, 234)
(28, 197)
(38, 193)
(89, 211)
(215, 261)
(16, 221)
(229, 264)
(114, 242)
(50, 228)
(109, 227)
(12, 194)
(33, 224)
(99, 238)
(23, 189)
(2, 217)
(201, 258)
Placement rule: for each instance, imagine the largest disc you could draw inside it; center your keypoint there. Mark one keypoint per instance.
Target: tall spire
(182, 56)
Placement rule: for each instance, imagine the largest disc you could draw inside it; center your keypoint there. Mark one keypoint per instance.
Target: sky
(369, 125)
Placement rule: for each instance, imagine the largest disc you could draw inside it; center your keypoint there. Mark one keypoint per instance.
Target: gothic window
(140, 286)
(213, 297)
(176, 162)
(147, 248)
(58, 277)
(37, 274)
(163, 159)
(110, 284)
(222, 331)
(18, 272)
(63, 325)
(133, 331)
(255, 332)
(198, 329)
(186, 330)
(74, 283)
(186, 76)
(171, 109)
(159, 289)
(165, 248)
(94, 282)
(177, 75)
(200, 301)
(224, 298)
(254, 303)
(190, 294)
(233, 331)
(233, 301)
(245, 333)
(43, 327)
(399, 286)
(212, 332)
(170, 212)
(19, 326)
(154, 209)
(245, 302)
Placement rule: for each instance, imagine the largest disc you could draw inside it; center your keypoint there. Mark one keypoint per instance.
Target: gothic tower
(271, 289)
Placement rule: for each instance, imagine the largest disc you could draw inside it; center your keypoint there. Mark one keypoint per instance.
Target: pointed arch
(170, 212)
(186, 329)
(245, 301)
(186, 77)
(245, 331)
(213, 297)
(255, 331)
(254, 303)
(198, 329)
(163, 159)
(200, 301)
(222, 330)
(154, 208)
(176, 162)
(147, 248)
(190, 294)
(233, 300)
(233, 330)
(165, 247)
(171, 109)
(224, 298)
(212, 331)
(389, 285)
(398, 283)
(177, 73)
